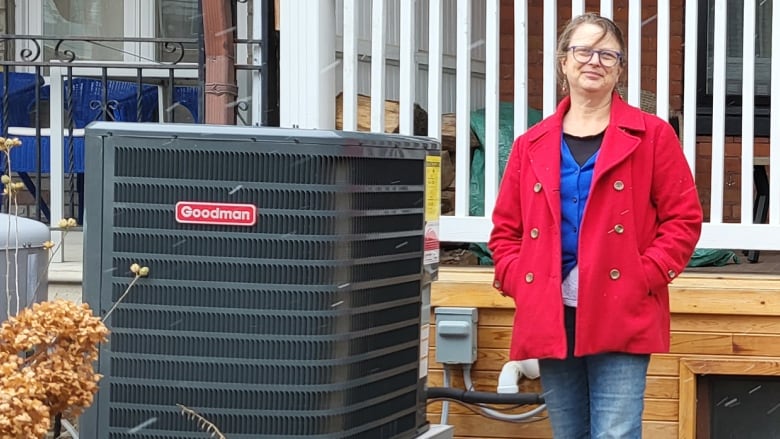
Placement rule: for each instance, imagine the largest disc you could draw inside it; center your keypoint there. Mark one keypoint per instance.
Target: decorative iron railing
(51, 92)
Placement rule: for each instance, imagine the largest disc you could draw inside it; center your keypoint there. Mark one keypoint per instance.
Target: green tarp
(506, 120)
(710, 257)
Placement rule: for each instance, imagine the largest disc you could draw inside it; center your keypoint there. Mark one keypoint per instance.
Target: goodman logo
(225, 214)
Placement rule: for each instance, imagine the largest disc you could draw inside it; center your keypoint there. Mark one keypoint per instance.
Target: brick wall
(535, 30)
(732, 178)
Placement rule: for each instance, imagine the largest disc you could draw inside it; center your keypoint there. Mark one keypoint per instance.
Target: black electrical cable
(483, 397)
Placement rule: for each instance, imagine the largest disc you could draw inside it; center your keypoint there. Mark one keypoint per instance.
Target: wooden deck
(723, 322)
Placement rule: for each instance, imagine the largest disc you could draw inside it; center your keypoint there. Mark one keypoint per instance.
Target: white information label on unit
(425, 336)
(431, 243)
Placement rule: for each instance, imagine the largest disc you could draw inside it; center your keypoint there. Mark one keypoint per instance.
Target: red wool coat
(641, 223)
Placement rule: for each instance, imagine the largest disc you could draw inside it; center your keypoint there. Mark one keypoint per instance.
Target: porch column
(307, 65)
(220, 90)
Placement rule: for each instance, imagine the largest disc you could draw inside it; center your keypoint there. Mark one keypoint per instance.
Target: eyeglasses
(607, 58)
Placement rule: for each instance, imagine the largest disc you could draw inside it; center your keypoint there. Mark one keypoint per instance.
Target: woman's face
(592, 75)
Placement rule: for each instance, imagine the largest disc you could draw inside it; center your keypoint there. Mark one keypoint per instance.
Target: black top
(582, 148)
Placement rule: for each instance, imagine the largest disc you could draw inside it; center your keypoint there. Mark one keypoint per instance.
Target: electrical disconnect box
(456, 335)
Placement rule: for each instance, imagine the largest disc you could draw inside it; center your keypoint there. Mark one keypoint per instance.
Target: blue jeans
(596, 396)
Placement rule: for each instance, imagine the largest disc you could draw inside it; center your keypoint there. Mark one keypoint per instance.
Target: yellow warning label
(432, 187)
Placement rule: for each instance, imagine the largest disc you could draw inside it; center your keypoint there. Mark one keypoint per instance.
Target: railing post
(378, 23)
(774, 131)
(549, 58)
(435, 44)
(492, 98)
(220, 89)
(260, 83)
(307, 64)
(349, 63)
(408, 68)
(634, 52)
(463, 108)
(56, 154)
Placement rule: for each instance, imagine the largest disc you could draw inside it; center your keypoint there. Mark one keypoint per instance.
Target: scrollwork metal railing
(40, 71)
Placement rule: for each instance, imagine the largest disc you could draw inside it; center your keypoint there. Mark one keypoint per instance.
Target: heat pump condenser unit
(287, 275)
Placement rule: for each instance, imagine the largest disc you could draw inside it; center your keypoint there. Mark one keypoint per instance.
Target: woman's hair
(608, 26)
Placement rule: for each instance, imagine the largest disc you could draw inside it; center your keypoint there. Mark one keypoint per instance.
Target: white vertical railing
(634, 51)
(748, 90)
(690, 85)
(57, 153)
(539, 61)
(492, 66)
(521, 67)
(606, 8)
(258, 26)
(349, 70)
(307, 78)
(378, 26)
(718, 112)
(774, 134)
(549, 57)
(434, 68)
(662, 60)
(463, 109)
(408, 69)
(577, 8)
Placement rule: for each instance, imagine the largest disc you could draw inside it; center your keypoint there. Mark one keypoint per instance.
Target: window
(179, 19)
(734, 63)
(83, 18)
(112, 19)
(737, 406)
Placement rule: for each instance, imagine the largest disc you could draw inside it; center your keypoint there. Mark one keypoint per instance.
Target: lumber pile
(448, 135)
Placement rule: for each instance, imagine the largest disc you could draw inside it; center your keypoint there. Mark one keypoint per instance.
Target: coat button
(538, 187)
(618, 185)
(672, 274)
(619, 228)
(534, 233)
(614, 274)
(529, 277)
(497, 284)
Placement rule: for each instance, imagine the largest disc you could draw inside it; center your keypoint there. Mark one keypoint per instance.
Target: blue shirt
(575, 186)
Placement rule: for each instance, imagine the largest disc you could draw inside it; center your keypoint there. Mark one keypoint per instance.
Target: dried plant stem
(16, 248)
(38, 353)
(203, 423)
(8, 240)
(122, 297)
(51, 258)
(69, 429)
(11, 199)
(8, 271)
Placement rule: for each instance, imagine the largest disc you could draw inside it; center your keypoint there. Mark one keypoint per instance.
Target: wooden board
(476, 426)
(719, 325)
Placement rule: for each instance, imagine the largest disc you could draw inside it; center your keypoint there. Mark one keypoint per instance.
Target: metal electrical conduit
(470, 398)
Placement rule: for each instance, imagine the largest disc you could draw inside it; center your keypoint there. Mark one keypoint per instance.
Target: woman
(596, 214)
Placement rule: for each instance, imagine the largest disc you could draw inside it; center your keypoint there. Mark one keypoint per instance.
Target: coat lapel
(544, 152)
(618, 141)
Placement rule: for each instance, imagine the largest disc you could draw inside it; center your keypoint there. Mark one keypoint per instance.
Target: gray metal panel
(26, 262)
(96, 232)
(305, 324)
(288, 137)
